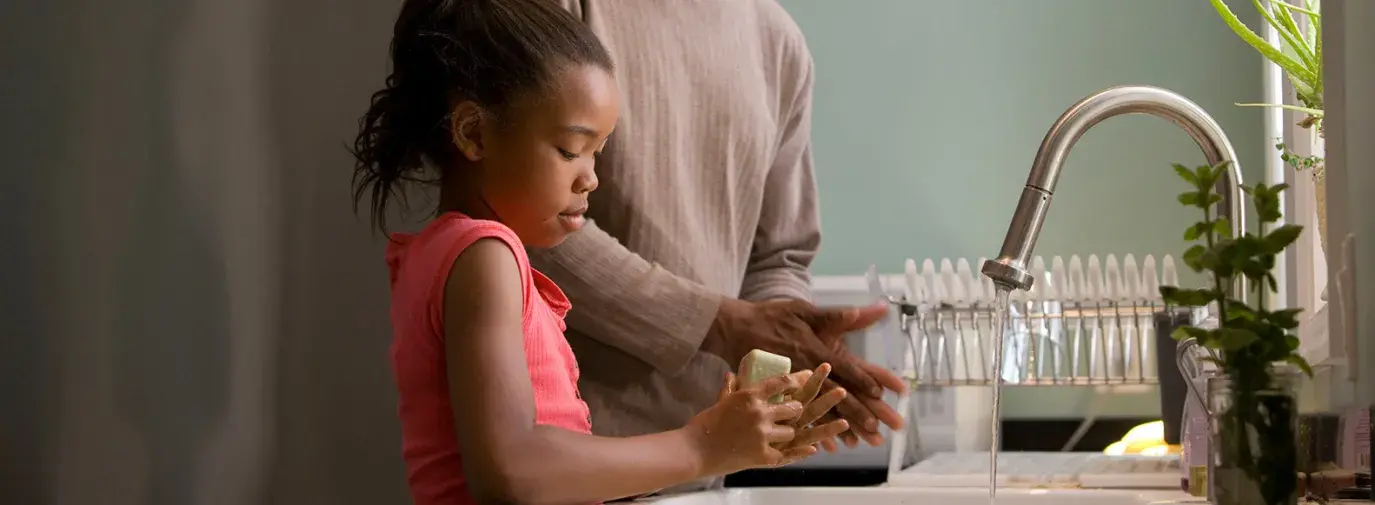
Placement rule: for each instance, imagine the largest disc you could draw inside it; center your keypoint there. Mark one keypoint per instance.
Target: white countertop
(884, 495)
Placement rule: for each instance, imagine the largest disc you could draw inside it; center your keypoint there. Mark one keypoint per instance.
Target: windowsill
(1316, 343)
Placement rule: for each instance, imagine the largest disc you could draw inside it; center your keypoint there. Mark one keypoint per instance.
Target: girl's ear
(465, 124)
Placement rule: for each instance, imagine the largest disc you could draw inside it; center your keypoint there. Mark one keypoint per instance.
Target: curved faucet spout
(1009, 270)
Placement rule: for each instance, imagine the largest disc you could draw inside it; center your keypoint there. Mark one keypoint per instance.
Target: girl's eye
(567, 155)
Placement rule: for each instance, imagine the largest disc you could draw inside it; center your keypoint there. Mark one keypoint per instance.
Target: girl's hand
(814, 407)
(743, 430)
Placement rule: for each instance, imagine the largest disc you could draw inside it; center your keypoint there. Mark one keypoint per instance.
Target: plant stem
(1299, 9)
(1217, 279)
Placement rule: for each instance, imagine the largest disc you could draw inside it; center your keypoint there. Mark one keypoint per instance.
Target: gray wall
(191, 314)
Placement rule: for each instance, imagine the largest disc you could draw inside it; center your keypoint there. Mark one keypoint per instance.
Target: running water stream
(1000, 304)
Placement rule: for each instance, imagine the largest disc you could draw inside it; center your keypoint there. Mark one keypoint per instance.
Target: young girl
(511, 101)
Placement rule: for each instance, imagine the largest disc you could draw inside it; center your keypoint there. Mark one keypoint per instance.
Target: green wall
(928, 114)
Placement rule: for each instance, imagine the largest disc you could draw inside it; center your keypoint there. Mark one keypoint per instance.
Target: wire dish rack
(1083, 322)
(1086, 322)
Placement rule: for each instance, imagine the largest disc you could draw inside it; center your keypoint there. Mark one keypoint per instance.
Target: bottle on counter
(1194, 439)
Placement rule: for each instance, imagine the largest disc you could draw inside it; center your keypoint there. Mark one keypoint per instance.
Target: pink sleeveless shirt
(419, 266)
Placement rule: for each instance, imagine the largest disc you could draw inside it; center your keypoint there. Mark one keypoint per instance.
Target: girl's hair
(444, 52)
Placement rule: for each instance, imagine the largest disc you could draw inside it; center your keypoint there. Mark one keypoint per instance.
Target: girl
(511, 100)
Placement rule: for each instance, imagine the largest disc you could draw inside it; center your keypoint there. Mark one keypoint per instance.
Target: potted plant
(1255, 412)
(1299, 55)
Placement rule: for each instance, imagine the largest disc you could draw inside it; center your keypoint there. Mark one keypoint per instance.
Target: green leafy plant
(1250, 340)
(1299, 53)
(1296, 162)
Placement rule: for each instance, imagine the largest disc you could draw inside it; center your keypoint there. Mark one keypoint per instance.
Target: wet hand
(810, 336)
(865, 413)
(743, 430)
(815, 405)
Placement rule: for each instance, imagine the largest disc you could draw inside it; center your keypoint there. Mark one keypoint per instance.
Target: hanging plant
(1255, 423)
(1299, 55)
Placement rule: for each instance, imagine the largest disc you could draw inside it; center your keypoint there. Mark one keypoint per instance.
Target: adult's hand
(869, 410)
(810, 336)
(866, 409)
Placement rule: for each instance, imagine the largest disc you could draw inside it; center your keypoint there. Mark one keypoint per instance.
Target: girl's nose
(587, 182)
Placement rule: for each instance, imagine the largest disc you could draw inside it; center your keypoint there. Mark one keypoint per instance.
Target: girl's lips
(575, 211)
(574, 218)
(572, 222)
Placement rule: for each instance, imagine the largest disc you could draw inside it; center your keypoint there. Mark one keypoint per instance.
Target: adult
(705, 222)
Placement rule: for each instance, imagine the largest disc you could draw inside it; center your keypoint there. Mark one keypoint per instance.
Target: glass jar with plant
(1255, 452)
(1299, 55)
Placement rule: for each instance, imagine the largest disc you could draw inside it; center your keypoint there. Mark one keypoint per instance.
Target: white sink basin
(932, 496)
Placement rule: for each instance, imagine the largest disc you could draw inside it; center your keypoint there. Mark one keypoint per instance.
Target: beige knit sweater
(706, 191)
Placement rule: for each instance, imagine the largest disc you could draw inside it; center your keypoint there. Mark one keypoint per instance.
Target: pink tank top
(419, 265)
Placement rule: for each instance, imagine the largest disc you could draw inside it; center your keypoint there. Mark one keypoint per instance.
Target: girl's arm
(507, 458)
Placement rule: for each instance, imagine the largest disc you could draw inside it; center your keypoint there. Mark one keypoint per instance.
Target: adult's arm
(789, 231)
(507, 458)
(628, 303)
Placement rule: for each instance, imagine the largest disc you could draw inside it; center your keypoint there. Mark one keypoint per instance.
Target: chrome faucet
(1009, 270)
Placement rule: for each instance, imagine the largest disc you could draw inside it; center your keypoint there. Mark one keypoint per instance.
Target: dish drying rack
(1083, 323)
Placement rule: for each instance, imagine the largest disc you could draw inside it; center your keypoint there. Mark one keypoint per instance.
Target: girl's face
(537, 163)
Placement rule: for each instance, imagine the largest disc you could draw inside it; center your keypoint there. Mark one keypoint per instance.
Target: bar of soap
(759, 366)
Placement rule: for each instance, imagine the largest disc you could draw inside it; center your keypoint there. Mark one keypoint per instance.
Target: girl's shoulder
(429, 254)
(451, 232)
(453, 225)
